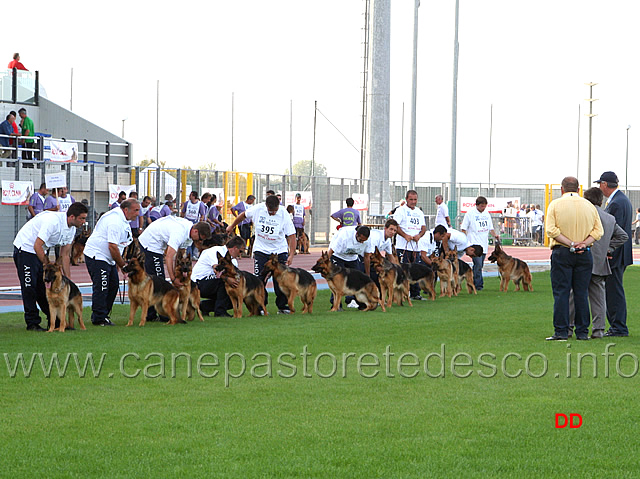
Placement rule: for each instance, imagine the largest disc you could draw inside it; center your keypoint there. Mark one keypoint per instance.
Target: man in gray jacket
(614, 237)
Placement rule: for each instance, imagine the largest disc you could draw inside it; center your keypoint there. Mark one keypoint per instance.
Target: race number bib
(483, 225)
(298, 211)
(413, 223)
(268, 228)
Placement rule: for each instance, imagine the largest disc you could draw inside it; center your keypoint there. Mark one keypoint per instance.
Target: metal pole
(402, 150)
(232, 121)
(490, 143)
(71, 97)
(454, 126)
(290, 143)
(414, 95)
(365, 80)
(158, 123)
(591, 115)
(578, 160)
(313, 157)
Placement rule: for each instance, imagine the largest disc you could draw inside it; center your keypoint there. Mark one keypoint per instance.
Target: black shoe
(284, 311)
(555, 338)
(104, 322)
(612, 334)
(416, 298)
(35, 327)
(224, 314)
(582, 338)
(69, 329)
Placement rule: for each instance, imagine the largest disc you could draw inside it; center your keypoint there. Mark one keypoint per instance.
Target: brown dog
(145, 291)
(292, 282)
(63, 296)
(77, 247)
(511, 269)
(394, 285)
(302, 243)
(249, 290)
(465, 272)
(444, 268)
(346, 281)
(452, 257)
(189, 292)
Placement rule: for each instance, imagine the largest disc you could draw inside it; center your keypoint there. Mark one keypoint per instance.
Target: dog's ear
(46, 260)
(219, 256)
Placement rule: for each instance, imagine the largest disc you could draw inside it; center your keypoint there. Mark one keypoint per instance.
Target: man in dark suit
(620, 207)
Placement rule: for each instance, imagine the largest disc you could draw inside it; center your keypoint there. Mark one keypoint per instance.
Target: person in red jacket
(15, 63)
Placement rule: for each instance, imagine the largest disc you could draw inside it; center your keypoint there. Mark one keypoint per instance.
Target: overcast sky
(531, 60)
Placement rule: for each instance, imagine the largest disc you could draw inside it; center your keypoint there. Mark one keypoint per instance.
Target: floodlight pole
(590, 115)
(454, 115)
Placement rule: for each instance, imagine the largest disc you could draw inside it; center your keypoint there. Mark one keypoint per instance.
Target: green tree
(303, 168)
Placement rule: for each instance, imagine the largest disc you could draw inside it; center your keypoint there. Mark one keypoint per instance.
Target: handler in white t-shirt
(380, 239)
(274, 234)
(161, 240)
(411, 227)
(45, 230)
(442, 214)
(456, 240)
(427, 245)
(477, 224)
(103, 257)
(212, 290)
(344, 250)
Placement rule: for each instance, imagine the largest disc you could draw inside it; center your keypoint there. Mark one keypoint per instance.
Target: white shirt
(50, 226)
(442, 214)
(376, 238)
(536, 217)
(345, 246)
(458, 240)
(64, 203)
(192, 211)
(477, 225)
(411, 221)
(271, 231)
(208, 259)
(112, 227)
(167, 231)
(427, 243)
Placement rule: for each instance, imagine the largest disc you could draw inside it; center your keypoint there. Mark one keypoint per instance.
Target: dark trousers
(346, 264)
(213, 289)
(408, 256)
(30, 272)
(478, 263)
(570, 270)
(104, 288)
(616, 302)
(154, 266)
(259, 260)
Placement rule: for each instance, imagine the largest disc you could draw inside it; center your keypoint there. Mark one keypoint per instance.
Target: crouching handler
(344, 249)
(163, 238)
(211, 286)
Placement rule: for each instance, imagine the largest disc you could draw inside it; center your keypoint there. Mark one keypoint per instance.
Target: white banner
(16, 192)
(494, 205)
(56, 180)
(114, 191)
(360, 201)
(306, 199)
(64, 151)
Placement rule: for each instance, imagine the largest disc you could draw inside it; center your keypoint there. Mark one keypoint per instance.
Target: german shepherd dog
(393, 282)
(444, 268)
(292, 282)
(302, 243)
(189, 292)
(250, 289)
(452, 257)
(63, 296)
(511, 269)
(420, 273)
(145, 291)
(347, 281)
(77, 247)
(465, 272)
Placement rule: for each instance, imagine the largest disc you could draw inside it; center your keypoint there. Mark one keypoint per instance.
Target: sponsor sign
(16, 192)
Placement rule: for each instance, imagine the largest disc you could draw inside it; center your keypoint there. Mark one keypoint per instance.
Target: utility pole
(590, 115)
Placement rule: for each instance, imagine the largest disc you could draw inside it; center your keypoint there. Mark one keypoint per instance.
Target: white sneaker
(353, 304)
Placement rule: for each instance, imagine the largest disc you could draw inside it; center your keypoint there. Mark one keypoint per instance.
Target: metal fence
(91, 181)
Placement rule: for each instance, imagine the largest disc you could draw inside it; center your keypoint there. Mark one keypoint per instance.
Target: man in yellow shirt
(572, 225)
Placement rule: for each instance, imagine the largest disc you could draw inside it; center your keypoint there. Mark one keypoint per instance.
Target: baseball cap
(298, 195)
(608, 177)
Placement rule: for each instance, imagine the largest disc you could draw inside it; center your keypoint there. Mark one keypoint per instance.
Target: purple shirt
(37, 202)
(349, 216)
(213, 213)
(195, 217)
(159, 212)
(298, 215)
(241, 208)
(115, 204)
(52, 202)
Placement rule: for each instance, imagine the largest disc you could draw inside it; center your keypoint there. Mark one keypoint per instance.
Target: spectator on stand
(26, 125)
(15, 63)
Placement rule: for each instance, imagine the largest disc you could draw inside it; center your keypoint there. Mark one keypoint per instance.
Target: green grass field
(360, 421)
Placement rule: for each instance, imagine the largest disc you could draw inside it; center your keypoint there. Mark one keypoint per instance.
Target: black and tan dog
(452, 257)
(249, 290)
(189, 292)
(145, 291)
(420, 273)
(511, 269)
(348, 282)
(63, 297)
(303, 243)
(77, 247)
(394, 285)
(465, 273)
(292, 282)
(444, 269)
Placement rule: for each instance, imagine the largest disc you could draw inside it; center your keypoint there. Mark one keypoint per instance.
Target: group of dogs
(183, 303)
